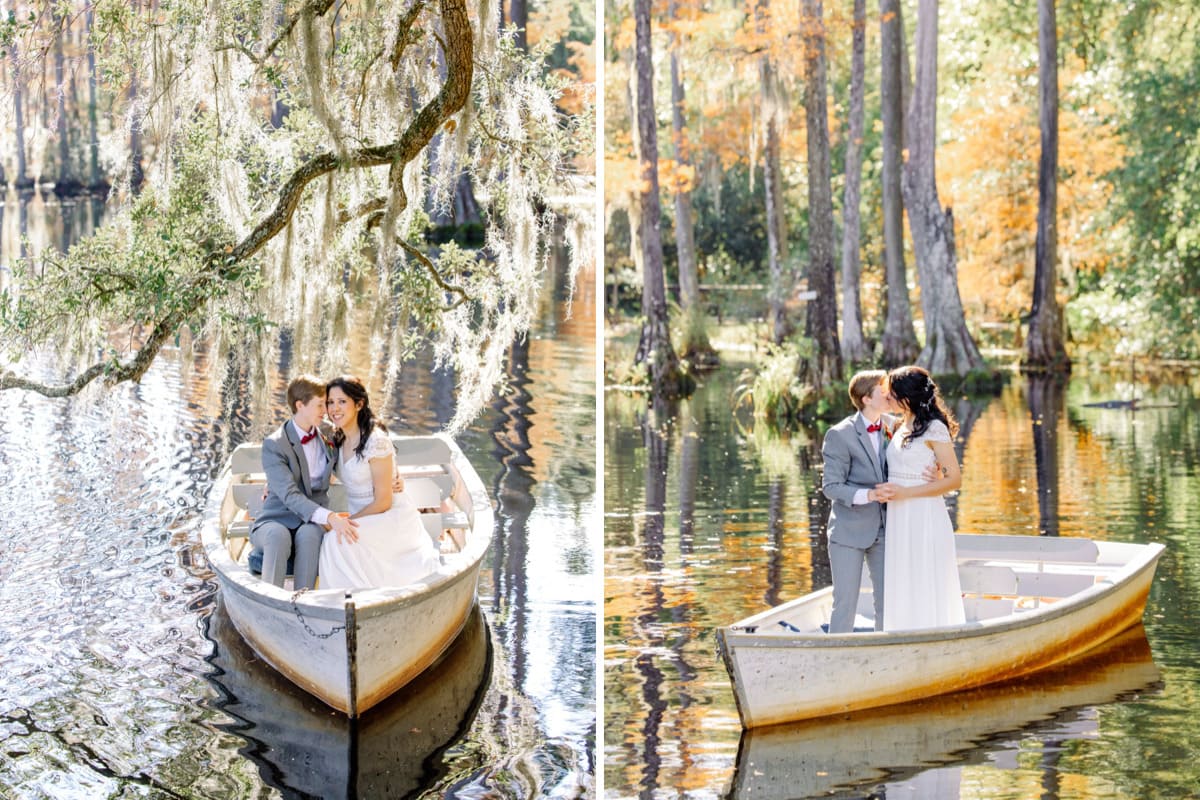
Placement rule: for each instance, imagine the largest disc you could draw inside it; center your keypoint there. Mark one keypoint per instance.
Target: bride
(393, 548)
(921, 586)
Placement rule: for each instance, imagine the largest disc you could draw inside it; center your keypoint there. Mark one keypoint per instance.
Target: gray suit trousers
(846, 564)
(278, 544)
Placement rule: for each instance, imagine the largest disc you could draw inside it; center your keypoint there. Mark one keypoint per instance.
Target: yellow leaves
(676, 178)
(450, 126)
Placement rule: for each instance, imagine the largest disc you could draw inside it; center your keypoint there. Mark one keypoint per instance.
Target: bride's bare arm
(381, 483)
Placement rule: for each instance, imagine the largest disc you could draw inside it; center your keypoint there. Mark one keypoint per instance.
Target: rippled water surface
(708, 521)
(120, 677)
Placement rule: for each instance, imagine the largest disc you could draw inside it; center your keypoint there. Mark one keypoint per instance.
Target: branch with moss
(224, 265)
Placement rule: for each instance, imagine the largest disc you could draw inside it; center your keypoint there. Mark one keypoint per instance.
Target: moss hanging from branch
(245, 226)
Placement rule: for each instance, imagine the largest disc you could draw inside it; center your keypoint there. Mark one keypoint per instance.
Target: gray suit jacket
(852, 464)
(290, 499)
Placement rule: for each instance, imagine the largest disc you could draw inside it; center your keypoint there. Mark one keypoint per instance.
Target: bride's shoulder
(379, 444)
(937, 431)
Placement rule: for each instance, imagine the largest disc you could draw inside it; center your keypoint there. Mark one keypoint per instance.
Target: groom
(294, 515)
(854, 452)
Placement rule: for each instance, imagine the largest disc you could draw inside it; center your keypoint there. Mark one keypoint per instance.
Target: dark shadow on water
(1045, 395)
(307, 750)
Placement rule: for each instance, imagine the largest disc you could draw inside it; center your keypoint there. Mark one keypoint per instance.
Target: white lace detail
(937, 432)
(378, 445)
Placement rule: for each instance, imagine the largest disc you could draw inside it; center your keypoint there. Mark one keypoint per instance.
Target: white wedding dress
(921, 588)
(393, 547)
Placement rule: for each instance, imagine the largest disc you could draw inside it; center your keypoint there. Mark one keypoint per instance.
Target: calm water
(120, 676)
(707, 521)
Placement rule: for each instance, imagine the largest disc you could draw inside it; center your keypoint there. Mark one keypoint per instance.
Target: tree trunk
(696, 347)
(519, 16)
(949, 347)
(136, 175)
(1045, 346)
(466, 207)
(854, 345)
(65, 183)
(23, 181)
(93, 161)
(773, 188)
(820, 324)
(899, 344)
(654, 348)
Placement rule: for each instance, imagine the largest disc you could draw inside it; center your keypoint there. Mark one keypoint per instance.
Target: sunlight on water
(707, 521)
(110, 682)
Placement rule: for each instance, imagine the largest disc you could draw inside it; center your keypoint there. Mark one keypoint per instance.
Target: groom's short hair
(302, 389)
(863, 383)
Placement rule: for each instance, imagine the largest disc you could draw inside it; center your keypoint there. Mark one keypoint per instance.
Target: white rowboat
(353, 648)
(860, 750)
(1031, 602)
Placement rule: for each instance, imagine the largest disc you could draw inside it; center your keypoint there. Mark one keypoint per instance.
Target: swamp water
(708, 521)
(121, 677)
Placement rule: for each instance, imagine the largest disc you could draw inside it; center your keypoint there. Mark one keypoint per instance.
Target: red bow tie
(874, 428)
(308, 437)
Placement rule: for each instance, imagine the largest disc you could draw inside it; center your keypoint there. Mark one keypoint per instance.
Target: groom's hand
(346, 528)
(397, 482)
(933, 472)
(882, 493)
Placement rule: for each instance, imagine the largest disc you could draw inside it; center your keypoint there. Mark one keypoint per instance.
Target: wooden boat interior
(425, 463)
(1000, 576)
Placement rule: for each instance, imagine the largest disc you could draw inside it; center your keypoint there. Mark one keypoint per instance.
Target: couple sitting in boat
(884, 474)
(380, 540)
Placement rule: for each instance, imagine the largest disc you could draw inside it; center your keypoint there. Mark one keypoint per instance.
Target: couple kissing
(887, 467)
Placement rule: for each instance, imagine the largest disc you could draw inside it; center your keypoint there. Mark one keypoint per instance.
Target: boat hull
(354, 648)
(787, 678)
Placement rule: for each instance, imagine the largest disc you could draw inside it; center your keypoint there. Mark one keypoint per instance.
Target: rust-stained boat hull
(819, 757)
(787, 677)
(354, 648)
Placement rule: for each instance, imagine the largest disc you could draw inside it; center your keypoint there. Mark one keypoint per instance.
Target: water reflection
(305, 750)
(1046, 394)
(749, 532)
(104, 594)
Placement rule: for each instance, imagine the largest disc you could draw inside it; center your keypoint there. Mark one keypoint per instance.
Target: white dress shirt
(860, 497)
(318, 462)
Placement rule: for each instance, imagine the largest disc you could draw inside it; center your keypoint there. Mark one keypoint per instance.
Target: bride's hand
(345, 527)
(883, 493)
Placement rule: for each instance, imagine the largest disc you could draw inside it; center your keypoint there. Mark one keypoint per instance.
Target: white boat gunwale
(1043, 613)
(1022, 641)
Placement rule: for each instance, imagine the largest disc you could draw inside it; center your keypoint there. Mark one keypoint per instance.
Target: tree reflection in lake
(755, 535)
(1046, 393)
(104, 593)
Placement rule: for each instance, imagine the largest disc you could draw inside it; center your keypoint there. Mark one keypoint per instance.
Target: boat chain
(308, 629)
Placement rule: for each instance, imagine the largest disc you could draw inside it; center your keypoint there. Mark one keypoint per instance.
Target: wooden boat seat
(423, 458)
(1043, 549)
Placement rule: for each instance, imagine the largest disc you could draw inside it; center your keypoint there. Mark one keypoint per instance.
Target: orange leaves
(674, 177)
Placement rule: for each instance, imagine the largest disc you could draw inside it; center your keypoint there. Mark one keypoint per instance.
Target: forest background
(1128, 235)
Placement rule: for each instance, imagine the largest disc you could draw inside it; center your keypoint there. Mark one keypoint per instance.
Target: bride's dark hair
(912, 387)
(354, 389)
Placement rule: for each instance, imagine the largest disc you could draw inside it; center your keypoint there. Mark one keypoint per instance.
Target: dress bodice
(355, 470)
(906, 463)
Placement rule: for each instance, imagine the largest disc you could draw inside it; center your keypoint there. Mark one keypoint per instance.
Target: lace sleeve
(937, 432)
(378, 446)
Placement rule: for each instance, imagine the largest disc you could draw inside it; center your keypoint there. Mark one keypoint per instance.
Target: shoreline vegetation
(767, 371)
